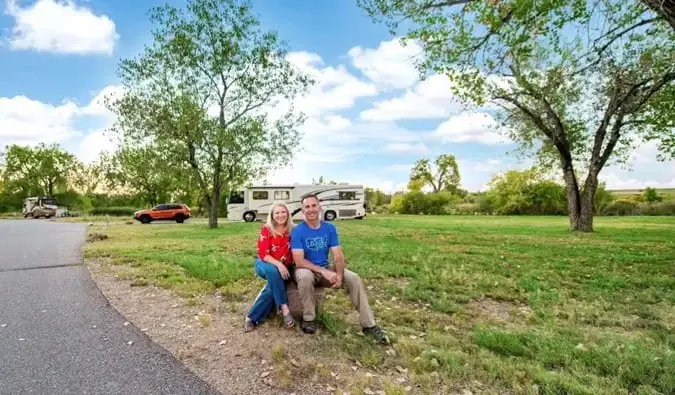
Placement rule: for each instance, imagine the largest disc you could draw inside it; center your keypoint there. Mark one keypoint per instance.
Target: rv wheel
(249, 216)
(330, 215)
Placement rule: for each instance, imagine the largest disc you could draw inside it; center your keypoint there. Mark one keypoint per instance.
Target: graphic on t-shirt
(316, 243)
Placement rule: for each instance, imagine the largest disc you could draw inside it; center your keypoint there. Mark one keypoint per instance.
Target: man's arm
(338, 257)
(339, 260)
(302, 263)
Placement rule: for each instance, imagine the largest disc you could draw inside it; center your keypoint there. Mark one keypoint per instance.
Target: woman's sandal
(248, 325)
(289, 322)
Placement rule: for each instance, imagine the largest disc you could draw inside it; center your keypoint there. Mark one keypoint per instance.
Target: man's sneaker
(309, 327)
(377, 332)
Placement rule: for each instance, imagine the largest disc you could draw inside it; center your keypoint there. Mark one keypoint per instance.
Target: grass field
(495, 304)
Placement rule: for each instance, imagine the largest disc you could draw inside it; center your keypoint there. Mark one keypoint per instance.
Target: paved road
(58, 335)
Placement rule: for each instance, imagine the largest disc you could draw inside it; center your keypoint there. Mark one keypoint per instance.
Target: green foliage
(204, 90)
(41, 170)
(145, 171)
(376, 198)
(621, 207)
(445, 176)
(602, 198)
(417, 202)
(650, 195)
(525, 192)
(576, 100)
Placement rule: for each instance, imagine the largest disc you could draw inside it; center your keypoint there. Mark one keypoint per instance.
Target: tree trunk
(214, 204)
(573, 198)
(587, 200)
(665, 8)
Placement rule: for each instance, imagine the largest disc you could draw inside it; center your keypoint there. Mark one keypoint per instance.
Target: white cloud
(406, 148)
(96, 106)
(334, 89)
(60, 26)
(26, 121)
(468, 127)
(430, 99)
(642, 170)
(399, 168)
(390, 65)
(93, 144)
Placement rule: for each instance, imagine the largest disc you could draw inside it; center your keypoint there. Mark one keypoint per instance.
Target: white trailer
(337, 201)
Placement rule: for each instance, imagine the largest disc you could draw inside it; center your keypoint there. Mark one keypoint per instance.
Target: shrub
(114, 211)
(621, 207)
(660, 208)
(417, 202)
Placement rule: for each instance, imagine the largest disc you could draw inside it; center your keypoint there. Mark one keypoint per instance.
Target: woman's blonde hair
(270, 220)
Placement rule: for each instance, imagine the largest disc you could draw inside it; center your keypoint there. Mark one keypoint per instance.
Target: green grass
(490, 303)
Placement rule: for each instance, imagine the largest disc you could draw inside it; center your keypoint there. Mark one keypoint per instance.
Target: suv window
(162, 207)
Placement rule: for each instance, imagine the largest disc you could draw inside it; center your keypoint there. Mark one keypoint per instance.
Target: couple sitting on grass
(300, 253)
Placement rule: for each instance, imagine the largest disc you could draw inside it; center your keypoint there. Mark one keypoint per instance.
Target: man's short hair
(311, 195)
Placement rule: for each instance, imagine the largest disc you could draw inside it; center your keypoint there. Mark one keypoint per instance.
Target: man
(311, 243)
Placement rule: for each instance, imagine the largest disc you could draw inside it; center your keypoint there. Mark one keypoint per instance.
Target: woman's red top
(278, 247)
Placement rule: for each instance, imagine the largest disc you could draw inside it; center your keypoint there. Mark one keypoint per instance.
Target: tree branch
(609, 43)
(613, 139)
(443, 4)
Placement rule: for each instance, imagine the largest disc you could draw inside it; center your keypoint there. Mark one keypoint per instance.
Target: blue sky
(370, 117)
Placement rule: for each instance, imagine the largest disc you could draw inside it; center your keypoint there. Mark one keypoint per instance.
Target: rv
(337, 201)
(39, 206)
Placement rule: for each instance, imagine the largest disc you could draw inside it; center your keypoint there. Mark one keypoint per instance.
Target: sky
(370, 117)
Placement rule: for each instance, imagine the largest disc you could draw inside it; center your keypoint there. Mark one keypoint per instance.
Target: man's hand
(338, 281)
(331, 276)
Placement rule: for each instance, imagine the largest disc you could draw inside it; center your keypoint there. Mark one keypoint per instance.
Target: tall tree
(39, 170)
(144, 171)
(577, 82)
(443, 177)
(202, 93)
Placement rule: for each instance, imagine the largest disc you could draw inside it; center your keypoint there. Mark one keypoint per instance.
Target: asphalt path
(59, 335)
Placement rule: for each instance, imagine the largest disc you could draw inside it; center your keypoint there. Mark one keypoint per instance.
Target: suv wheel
(146, 219)
(249, 216)
(180, 219)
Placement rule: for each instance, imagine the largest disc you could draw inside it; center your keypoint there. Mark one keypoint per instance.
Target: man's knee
(304, 278)
(352, 279)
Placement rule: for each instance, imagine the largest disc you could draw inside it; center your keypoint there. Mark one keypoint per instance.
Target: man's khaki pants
(351, 282)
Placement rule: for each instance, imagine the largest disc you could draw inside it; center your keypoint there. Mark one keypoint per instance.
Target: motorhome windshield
(49, 202)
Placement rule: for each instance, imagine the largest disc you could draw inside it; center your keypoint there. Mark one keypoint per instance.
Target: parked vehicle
(164, 212)
(341, 201)
(39, 206)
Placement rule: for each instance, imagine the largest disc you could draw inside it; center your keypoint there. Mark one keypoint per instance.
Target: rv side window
(237, 197)
(343, 195)
(260, 195)
(282, 195)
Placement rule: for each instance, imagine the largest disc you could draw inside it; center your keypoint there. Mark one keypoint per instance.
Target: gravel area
(206, 335)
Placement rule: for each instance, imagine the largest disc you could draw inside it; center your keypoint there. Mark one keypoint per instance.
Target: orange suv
(164, 212)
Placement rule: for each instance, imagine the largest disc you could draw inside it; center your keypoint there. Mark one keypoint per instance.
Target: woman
(274, 264)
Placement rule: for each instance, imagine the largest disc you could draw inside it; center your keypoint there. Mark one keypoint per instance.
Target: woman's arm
(264, 245)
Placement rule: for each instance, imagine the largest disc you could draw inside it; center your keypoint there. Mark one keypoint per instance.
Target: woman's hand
(283, 271)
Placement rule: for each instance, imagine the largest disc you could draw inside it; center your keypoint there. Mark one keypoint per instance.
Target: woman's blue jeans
(273, 294)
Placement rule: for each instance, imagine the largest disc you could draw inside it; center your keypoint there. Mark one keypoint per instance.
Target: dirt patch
(206, 334)
(497, 310)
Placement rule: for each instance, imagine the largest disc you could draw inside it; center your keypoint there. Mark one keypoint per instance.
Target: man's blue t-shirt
(315, 242)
